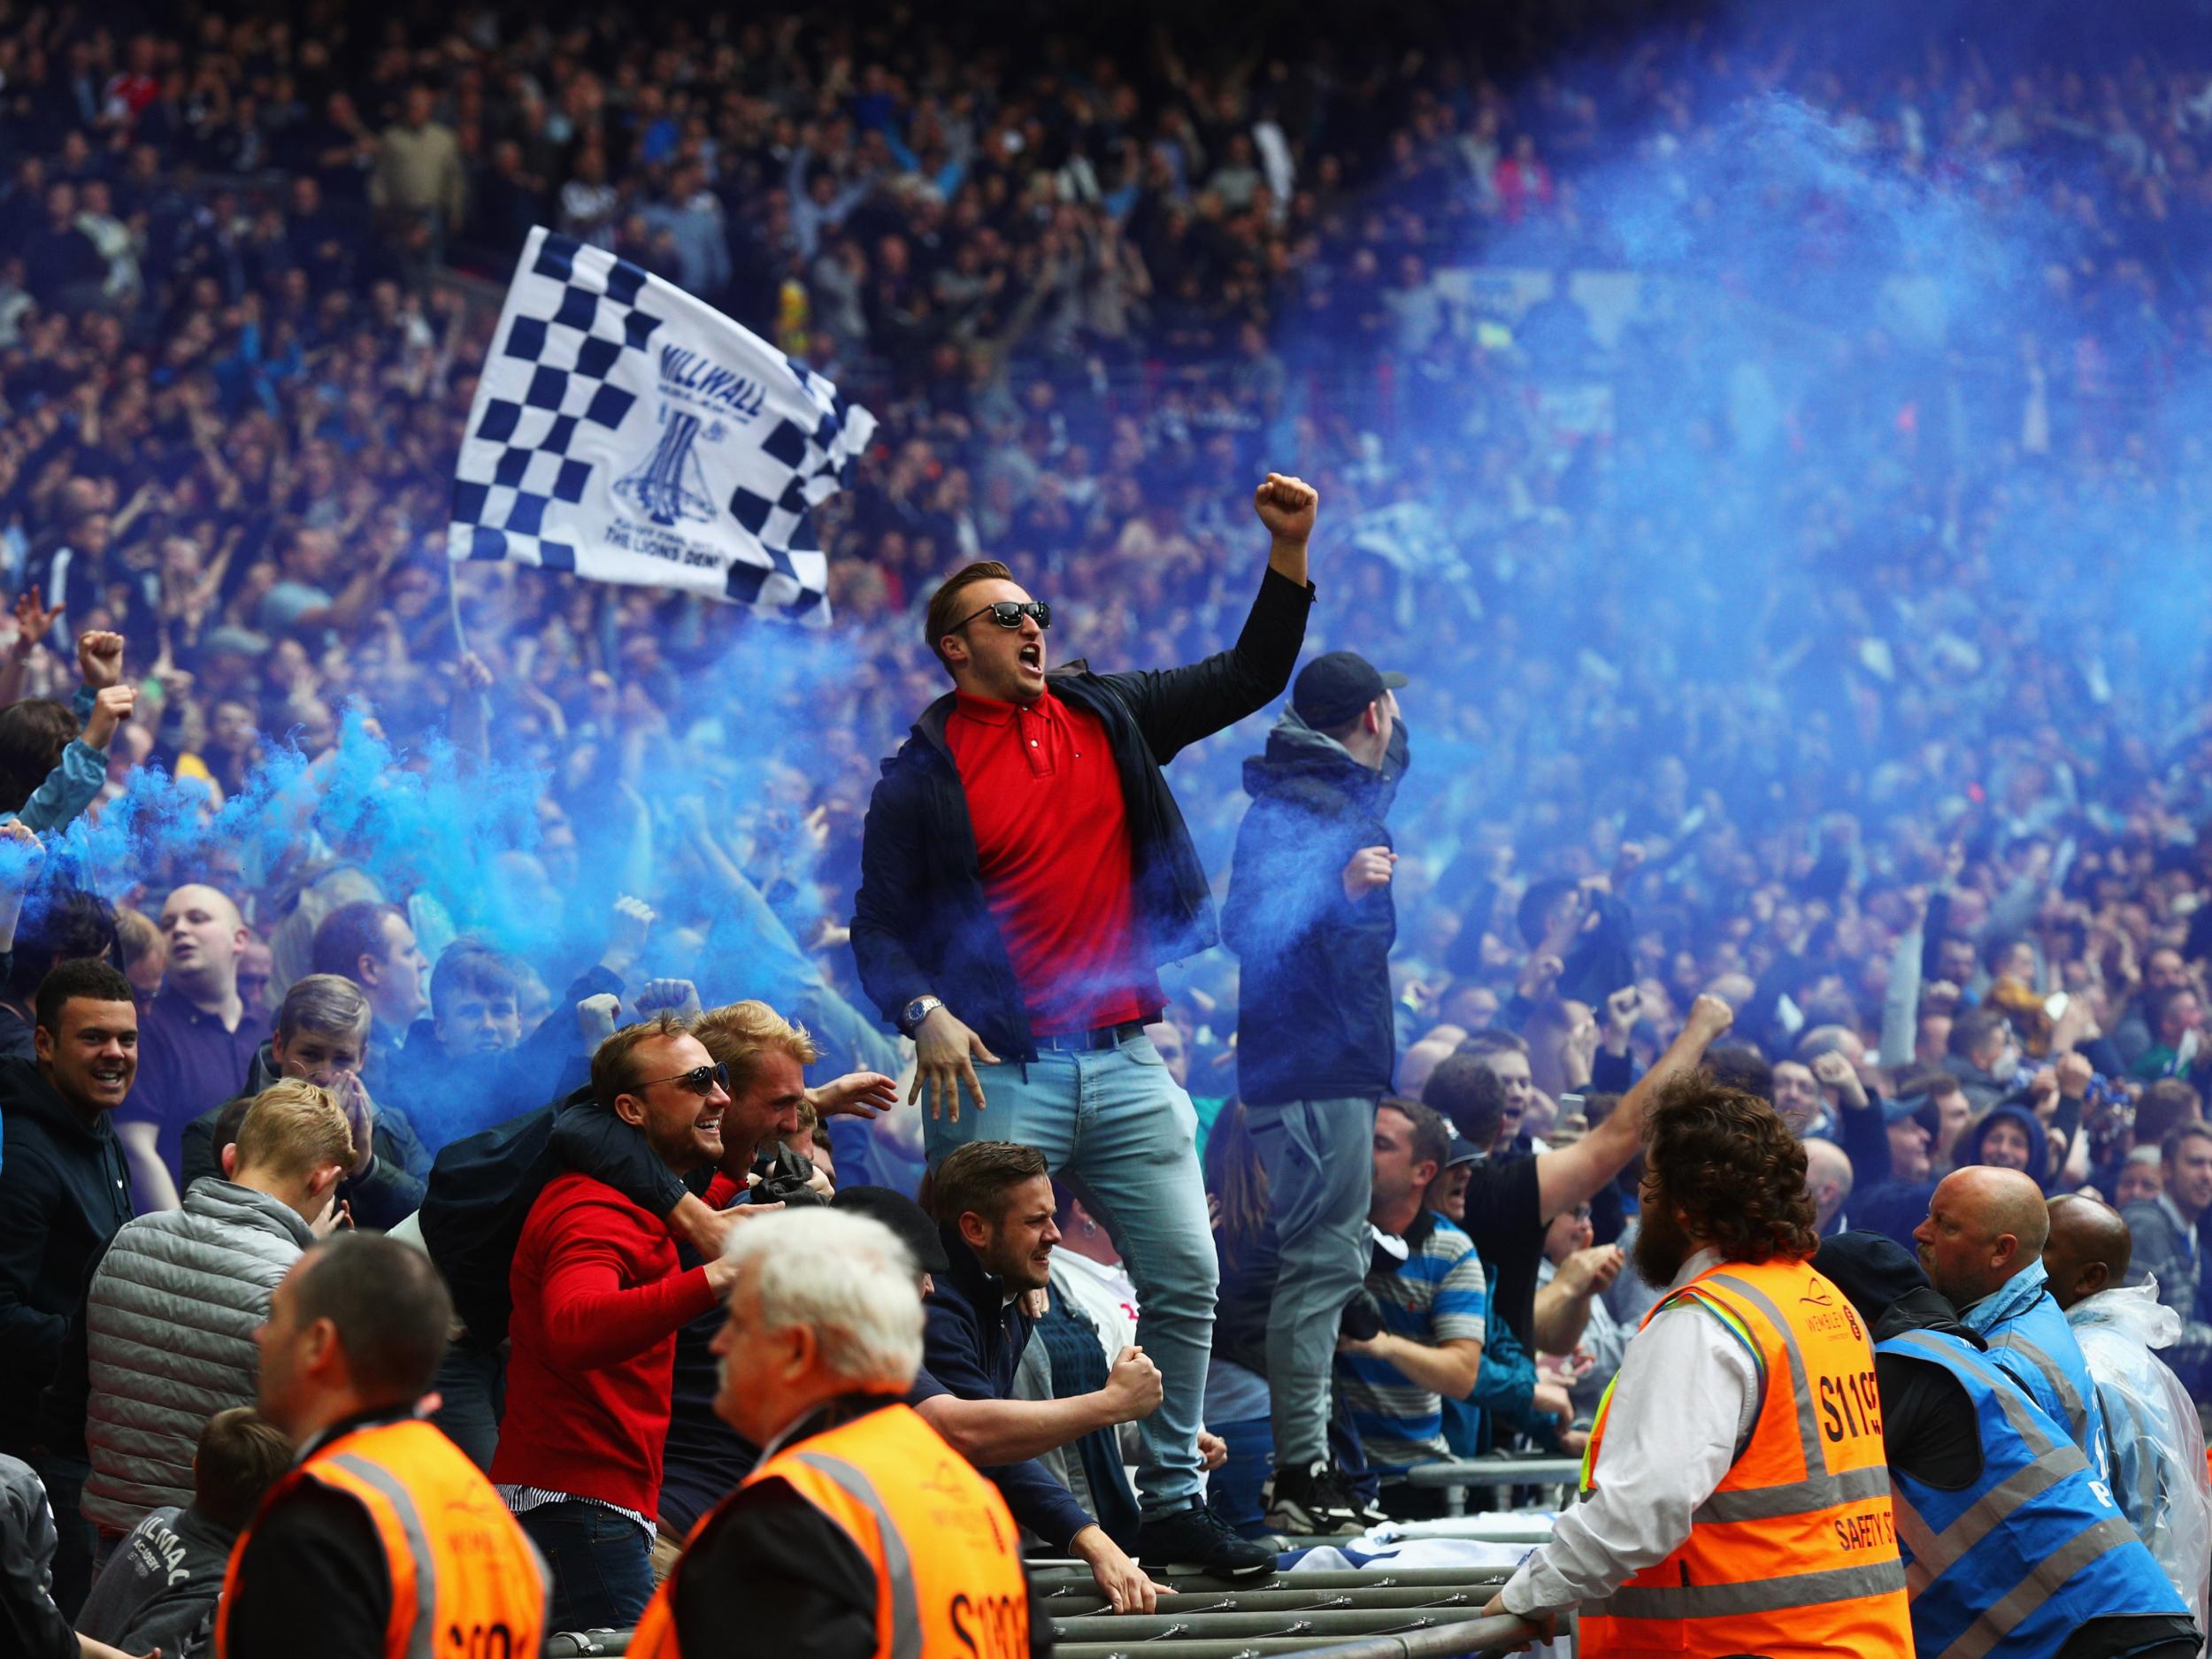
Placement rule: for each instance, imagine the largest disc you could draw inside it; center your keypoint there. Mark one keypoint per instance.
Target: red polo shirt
(1052, 837)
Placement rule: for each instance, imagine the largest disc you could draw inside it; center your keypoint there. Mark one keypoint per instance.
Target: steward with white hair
(879, 1538)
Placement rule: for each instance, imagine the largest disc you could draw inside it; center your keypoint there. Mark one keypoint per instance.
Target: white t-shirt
(1105, 1295)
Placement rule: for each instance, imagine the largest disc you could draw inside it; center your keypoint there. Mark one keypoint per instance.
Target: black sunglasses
(701, 1079)
(1009, 614)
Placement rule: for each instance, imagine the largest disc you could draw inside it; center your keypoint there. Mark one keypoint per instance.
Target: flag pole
(453, 594)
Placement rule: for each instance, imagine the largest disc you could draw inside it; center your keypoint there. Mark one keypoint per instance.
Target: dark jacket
(64, 1192)
(383, 1195)
(1314, 1017)
(1928, 1427)
(972, 1345)
(920, 920)
(481, 1190)
(35, 1628)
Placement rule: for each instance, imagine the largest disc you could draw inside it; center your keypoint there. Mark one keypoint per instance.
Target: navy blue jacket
(971, 1346)
(1313, 1013)
(920, 920)
(65, 1193)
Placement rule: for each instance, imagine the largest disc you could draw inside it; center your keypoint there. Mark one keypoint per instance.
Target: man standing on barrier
(1023, 873)
(1735, 1484)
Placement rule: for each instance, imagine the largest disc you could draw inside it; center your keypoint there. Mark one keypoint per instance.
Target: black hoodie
(65, 1193)
(1314, 1007)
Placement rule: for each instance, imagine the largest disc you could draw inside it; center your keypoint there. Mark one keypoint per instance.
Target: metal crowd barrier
(1418, 1613)
(1459, 1475)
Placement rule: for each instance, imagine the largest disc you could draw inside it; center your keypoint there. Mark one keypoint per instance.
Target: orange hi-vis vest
(948, 1558)
(1794, 1555)
(466, 1584)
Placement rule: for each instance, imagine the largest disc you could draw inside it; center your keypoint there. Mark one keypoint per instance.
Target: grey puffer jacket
(170, 1326)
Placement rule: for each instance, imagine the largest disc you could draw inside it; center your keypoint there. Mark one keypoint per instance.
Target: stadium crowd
(1815, 732)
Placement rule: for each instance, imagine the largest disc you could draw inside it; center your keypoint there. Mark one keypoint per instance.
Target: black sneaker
(1315, 1501)
(1200, 1540)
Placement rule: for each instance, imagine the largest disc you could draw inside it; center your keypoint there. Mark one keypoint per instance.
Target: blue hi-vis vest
(2036, 1349)
(2015, 1564)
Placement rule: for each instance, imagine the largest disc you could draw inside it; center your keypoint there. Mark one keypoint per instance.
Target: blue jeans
(602, 1564)
(1114, 1125)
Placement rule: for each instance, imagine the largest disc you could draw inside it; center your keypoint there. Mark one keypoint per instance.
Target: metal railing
(1382, 1613)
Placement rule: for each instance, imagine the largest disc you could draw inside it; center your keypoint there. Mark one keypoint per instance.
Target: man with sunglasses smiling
(599, 1297)
(1025, 874)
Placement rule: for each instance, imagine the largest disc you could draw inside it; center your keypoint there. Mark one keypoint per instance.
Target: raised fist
(1287, 506)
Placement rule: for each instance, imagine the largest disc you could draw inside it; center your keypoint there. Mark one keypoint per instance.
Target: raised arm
(1176, 707)
(1574, 1174)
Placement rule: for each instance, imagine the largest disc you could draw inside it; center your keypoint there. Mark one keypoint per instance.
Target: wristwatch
(914, 1013)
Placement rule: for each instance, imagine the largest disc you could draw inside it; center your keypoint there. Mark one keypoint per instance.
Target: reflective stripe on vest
(1767, 1595)
(422, 1570)
(2041, 1505)
(2068, 1397)
(906, 1617)
(1794, 1553)
(460, 1568)
(944, 1551)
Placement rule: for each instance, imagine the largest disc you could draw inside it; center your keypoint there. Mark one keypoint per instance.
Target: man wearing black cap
(1309, 915)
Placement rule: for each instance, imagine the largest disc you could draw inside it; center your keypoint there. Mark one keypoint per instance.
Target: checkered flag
(627, 431)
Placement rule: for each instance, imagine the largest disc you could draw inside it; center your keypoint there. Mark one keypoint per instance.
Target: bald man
(194, 1043)
(1827, 1183)
(2152, 1432)
(1982, 1247)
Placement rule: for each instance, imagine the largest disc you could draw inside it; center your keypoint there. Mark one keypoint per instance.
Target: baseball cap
(1464, 1151)
(1333, 688)
(1870, 1268)
(904, 1218)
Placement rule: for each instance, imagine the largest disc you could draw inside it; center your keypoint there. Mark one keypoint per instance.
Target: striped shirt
(1438, 1294)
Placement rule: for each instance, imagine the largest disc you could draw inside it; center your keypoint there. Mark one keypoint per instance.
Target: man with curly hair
(1737, 1501)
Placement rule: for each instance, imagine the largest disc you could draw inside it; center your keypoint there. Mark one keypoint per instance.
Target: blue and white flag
(627, 431)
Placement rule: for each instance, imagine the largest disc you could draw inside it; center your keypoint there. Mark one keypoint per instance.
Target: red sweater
(598, 1302)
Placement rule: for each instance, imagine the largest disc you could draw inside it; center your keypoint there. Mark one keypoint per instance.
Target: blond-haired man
(167, 1329)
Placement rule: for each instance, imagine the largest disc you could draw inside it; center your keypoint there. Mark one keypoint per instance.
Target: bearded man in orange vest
(1736, 1498)
(861, 1534)
(385, 1541)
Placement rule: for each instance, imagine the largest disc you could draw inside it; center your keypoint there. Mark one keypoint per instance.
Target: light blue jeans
(1118, 1131)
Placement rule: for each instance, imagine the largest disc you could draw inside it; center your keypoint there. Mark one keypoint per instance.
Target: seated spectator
(598, 1299)
(993, 1204)
(197, 1045)
(158, 1588)
(1434, 1307)
(167, 1329)
(322, 1038)
(372, 945)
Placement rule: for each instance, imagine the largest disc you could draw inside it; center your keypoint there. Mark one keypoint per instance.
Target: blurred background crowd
(1777, 467)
